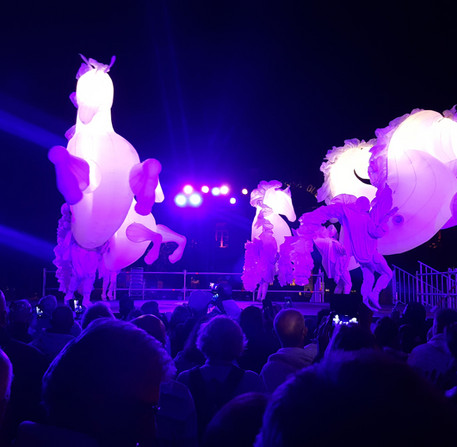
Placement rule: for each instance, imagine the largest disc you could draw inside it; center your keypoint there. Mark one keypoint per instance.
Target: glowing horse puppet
(269, 231)
(416, 156)
(99, 173)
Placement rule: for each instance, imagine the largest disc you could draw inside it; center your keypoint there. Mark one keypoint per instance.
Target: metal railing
(179, 285)
(428, 286)
(404, 286)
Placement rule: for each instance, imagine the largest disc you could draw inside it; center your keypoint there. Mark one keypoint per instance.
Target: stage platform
(307, 309)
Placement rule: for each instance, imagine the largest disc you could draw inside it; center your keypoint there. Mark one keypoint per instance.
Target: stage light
(232, 200)
(181, 200)
(188, 189)
(215, 191)
(195, 199)
(225, 190)
(244, 191)
(205, 189)
(26, 243)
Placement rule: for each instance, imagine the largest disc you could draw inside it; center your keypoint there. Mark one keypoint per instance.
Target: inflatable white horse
(99, 173)
(416, 156)
(269, 231)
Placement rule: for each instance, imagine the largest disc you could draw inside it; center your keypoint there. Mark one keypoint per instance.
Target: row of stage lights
(191, 197)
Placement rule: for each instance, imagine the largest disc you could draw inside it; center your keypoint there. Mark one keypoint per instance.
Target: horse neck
(280, 226)
(100, 122)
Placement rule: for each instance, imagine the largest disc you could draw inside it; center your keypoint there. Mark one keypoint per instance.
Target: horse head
(346, 171)
(280, 201)
(94, 90)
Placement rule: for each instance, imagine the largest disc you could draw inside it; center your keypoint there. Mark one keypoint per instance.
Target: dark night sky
(240, 91)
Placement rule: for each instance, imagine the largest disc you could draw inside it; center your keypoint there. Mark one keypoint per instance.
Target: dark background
(234, 91)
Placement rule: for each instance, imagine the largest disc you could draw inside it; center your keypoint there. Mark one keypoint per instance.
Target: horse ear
(287, 190)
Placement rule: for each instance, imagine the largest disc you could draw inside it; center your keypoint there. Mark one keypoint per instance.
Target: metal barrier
(139, 284)
(404, 286)
(428, 286)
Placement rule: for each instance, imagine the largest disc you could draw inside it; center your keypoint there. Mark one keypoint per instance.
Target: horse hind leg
(170, 236)
(139, 233)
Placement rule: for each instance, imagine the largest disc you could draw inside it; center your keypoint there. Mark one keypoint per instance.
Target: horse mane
(258, 194)
(92, 64)
(324, 192)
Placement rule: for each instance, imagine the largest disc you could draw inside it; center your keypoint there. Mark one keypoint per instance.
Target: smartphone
(39, 311)
(344, 319)
(77, 306)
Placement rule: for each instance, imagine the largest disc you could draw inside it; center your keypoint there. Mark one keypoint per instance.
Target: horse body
(107, 200)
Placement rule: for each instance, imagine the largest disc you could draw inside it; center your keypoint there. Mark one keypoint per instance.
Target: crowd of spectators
(210, 374)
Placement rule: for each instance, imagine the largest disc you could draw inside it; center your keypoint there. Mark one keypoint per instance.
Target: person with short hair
(290, 327)
(176, 417)
(433, 359)
(104, 388)
(29, 365)
(51, 341)
(237, 423)
(359, 398)
(97, 310)
(20, 317)
(219, 380)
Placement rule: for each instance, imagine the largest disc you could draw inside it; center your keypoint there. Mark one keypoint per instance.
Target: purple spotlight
(232, 200)
(215, 191)
(205, 189)
(181, 200)
(188, 189)
(225, 190)
(195, 199)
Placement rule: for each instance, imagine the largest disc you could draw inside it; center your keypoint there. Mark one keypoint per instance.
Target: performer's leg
(367, 286)
(381, 266)
(262, 291)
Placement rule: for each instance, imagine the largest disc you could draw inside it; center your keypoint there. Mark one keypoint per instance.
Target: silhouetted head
(153, 326)
(198, 302)
(251, 321)
(126, 306)
(237, 423)
(386, 333)
(47, 304)
(62, 320)
(290, 328)
(350, 338)
(180, 315)
(414, 314)
(97, 310)
(20, 312)
(221, 339)
(443, 318)
(106, 383)
(150, 308)
(345, 399)
(451, 338)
